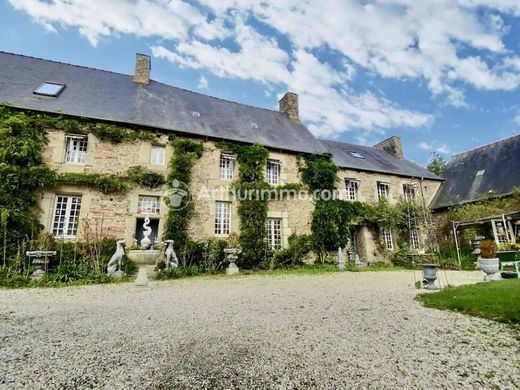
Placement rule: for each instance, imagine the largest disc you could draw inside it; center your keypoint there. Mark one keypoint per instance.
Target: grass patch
(498, 301)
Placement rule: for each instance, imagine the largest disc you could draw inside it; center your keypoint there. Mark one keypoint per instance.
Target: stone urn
(490, 267)
(430, 276)
(40, 259)
(231, 257)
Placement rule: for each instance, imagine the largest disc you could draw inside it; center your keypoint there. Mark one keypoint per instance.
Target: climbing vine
(252, 207)
(23, 173)
(185, 153)
(114, 183)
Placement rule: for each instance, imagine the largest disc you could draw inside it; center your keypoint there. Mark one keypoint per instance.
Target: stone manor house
(136, 102)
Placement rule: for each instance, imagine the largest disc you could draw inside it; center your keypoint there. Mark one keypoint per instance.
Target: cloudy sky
(442, 74)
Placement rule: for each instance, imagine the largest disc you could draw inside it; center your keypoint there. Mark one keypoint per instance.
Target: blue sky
(442, 74)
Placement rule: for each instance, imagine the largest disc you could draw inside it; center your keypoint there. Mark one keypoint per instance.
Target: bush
(299, 247)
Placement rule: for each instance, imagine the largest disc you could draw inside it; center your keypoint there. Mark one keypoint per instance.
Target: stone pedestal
(231, 257)
(142, 277)
(143, 258)
(232, 269)
(40, 259)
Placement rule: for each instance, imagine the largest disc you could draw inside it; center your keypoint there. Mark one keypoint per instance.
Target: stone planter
(231, 257)
(40, 259)
(430, 275)
(489, 267)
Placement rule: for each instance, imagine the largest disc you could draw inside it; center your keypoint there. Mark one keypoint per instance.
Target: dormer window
(49, 89)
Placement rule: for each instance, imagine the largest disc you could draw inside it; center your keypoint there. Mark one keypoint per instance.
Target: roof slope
(115, 97)
(375, 160)
(500, 162)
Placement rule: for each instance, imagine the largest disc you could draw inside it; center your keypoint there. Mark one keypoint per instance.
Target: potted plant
(231, 253)
(487, 260)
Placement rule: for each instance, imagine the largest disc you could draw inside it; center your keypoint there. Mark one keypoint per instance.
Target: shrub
(299, 247)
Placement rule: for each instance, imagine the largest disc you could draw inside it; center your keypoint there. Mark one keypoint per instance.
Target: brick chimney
(392, 145)
(142, 69)
(289, 106)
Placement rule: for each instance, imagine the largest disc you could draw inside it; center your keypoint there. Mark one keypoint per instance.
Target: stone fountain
(145, 256)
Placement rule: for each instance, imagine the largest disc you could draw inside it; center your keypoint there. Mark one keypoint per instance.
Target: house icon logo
(176, 195)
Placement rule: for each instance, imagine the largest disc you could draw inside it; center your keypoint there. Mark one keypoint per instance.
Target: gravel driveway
(341, 330)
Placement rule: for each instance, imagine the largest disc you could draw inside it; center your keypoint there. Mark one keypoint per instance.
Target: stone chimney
(142, 69)
(289, 106)
(392, 145)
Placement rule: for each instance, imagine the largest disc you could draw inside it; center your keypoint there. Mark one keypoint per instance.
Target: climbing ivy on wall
(23, 173)
(332, 218)
(185, 153)
(252, 207)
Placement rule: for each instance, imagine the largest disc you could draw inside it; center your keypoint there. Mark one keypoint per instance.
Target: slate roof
(376, 160)
(501, 164)
(110, 96)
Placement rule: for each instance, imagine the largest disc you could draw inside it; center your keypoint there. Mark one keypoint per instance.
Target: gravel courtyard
(341, 330)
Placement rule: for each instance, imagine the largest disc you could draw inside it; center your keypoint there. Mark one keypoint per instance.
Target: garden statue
(171, 258)
(114, 265)
(147, 230)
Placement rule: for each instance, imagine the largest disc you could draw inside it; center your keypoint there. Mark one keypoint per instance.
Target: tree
(437, 164)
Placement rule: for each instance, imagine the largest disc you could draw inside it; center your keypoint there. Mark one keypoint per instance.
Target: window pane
(274, 233)
(66, 216)
(49, 89)
(157, 156)
(226, 166)
(351, 187)
(148, 204)
(273, 172)
(222, 218)
(76, 149)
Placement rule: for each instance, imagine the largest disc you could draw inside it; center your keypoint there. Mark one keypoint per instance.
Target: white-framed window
(414, 239)
(386, 236)
(76, 149)
(274, 233)
(227, 163)
(157, 155)
(409, 191)
(148, 204)
(351, 189)
(66, 216)
(222, 218)
(383, 189)
(272, 171)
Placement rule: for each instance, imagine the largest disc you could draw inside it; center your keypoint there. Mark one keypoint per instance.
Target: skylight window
(481, 172)
(195, 114)
(49, 89)
(254, 125)
(355, 154)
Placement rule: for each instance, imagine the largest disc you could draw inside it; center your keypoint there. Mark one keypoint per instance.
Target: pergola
(506, 228)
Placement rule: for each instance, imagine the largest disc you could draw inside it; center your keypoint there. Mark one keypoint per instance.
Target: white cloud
(425, 40)
(434, 146)
(203, 83)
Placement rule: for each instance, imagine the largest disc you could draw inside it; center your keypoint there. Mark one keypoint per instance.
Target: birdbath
(40, 259)
(231, 257)
(145, 256)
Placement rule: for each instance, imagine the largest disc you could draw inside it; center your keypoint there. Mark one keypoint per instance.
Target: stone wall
(116, 214)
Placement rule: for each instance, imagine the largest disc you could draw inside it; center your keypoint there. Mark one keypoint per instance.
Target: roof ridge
(129, 75)
(486, 145)
(64, 63)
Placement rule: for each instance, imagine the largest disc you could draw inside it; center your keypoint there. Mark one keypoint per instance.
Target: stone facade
(117, 215)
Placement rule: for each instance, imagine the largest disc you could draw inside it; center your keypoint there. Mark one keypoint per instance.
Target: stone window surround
(382, 189)
(152, 201)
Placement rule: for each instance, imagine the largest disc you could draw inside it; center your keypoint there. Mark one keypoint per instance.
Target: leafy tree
(437, 164)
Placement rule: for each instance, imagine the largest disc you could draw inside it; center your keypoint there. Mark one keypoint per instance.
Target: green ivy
(319, 172)
(116, 135)
(23, 174)
(185, 153)
(114, 183)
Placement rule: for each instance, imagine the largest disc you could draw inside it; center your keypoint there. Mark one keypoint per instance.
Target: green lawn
(497, 300)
